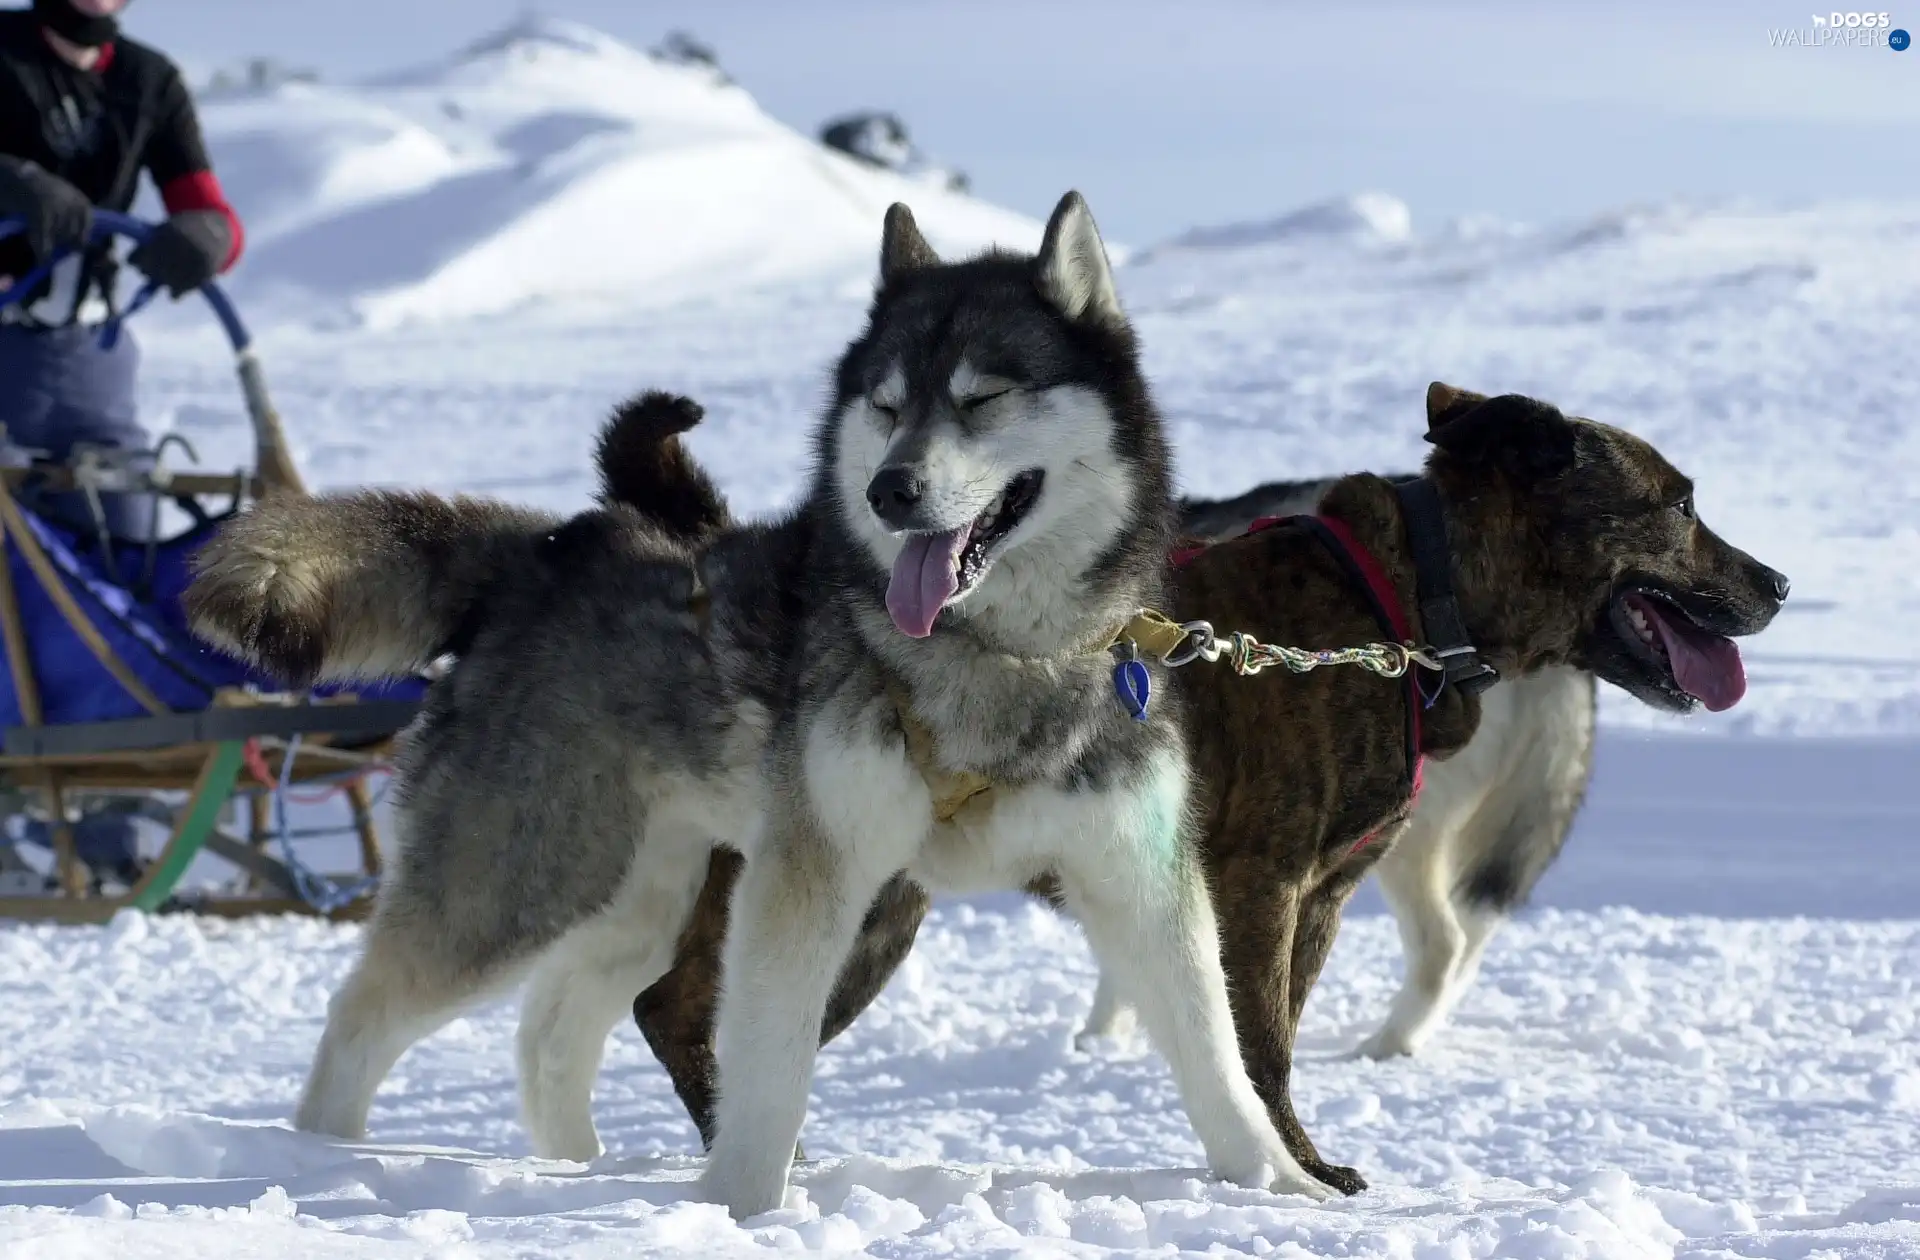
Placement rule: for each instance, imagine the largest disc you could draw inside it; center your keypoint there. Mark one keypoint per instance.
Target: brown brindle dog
(1571, 542)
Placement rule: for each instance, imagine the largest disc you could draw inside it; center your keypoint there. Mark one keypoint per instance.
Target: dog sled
(109, 704)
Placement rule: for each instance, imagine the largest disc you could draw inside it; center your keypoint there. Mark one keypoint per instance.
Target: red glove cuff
(201, 191)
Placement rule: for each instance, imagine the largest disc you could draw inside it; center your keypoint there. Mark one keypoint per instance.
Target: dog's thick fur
(1551, 522)
(627, 696)
(558, 800)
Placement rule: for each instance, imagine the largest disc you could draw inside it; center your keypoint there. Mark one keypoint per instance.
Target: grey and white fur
(558, 798)
(998, 402)
(1487, 825)
(990, 502)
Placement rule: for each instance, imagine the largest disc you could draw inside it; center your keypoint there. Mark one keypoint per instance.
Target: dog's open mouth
(934, 569)
(1692, 659)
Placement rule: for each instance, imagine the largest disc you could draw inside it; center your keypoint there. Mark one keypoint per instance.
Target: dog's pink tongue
(1706, 666)
(925, 576)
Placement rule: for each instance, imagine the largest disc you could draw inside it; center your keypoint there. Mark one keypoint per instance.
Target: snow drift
(1363, 218)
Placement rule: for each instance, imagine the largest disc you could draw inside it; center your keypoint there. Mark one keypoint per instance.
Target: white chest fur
(876, 808)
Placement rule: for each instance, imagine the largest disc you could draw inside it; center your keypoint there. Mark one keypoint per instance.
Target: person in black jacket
(83, 111)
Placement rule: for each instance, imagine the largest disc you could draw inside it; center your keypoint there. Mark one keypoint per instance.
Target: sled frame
(208, 754)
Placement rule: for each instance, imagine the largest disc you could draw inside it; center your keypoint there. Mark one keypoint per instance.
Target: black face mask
(60, 17)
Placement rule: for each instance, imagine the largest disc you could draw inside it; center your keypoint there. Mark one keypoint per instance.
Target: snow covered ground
(1701, 1043)
(1618, 1085)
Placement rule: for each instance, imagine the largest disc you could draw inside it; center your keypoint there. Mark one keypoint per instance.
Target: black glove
(58, 215)
(186, 251)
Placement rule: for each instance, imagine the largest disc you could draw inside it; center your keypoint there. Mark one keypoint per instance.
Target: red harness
(1387, 609)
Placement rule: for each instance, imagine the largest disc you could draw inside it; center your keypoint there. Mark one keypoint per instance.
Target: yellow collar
(953, 790)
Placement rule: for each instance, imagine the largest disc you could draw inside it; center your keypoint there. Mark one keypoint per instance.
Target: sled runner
(107, 694)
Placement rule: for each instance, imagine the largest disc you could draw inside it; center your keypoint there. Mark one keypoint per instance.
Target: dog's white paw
(1391, 1042)
(1120, 1030)
(1293, 1179)
(1275, 1171)
(746, 1190)
(573, 1147)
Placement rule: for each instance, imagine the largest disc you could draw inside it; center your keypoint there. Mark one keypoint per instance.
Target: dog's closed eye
(978, 401)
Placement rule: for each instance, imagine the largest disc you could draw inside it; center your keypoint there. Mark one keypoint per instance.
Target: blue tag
(1132, 684)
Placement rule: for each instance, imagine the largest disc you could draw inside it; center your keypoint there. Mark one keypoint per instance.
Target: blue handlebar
(108, 224)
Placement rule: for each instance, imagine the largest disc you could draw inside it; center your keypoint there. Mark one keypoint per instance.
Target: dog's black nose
(893, 494)
(1780, 585)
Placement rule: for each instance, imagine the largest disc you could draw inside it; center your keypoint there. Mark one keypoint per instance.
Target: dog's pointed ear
(1071, 270)
(1448, 402)
(902, 248)
(1528, 439)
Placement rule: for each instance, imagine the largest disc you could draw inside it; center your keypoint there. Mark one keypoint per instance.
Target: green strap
(210, 796)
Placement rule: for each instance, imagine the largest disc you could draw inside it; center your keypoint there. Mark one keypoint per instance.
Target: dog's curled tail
(644, 465)
(366, 585)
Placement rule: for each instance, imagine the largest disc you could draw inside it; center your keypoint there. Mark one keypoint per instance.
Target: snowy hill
(545, 162)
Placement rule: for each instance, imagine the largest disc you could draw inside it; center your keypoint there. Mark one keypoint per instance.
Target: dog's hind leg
(1480, 924)
(400, 991)
(574, 998)
(585, 983)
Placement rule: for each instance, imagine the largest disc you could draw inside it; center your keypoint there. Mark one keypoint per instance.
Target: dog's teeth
(992, 514)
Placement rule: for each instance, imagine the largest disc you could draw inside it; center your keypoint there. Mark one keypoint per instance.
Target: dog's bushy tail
(644, 465)
(366, 585)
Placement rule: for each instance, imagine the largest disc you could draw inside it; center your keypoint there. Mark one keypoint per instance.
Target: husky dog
(1485, 829)
(912, 673)
(992, 489)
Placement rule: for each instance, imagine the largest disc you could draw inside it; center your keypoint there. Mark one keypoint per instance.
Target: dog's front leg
(795, 914)
(1152, 929)
(677, 1013)
(1315, 928)
(1260, 904)
(886, 938)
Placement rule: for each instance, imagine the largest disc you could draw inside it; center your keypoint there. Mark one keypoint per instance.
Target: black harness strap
(1440, 618)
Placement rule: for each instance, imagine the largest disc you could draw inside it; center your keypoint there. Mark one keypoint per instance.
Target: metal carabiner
(1199, 643)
